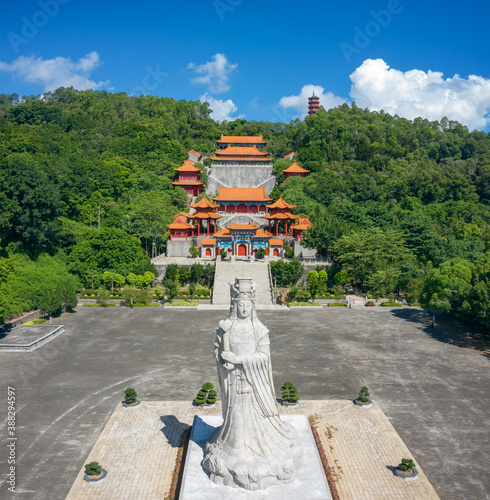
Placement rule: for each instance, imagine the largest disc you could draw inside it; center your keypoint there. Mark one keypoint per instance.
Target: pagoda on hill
(204, 211)
(189, 179)
(280, 211)
(295, 171)
(313, 104)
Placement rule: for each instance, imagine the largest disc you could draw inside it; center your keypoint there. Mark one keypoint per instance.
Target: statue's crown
(243, 288)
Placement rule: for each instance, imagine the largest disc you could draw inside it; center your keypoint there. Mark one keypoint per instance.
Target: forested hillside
(400, 205)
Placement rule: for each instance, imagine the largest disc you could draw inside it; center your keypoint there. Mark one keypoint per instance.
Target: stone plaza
(429, 385)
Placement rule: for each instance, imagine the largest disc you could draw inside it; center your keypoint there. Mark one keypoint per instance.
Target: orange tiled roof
(295, 169)
(261, 233)
(280, 203)
(204, 203)
(242, 139)
(242, 194)
(242, 151)
(276, 242)
(205, 215)
(250, 226)
(303, 223)
(208, 241)
(289, 154)
(187, 167)
(191, 183)
(223, 233)
(178, 224)
(240, 158)
(194, 152)
(280, 216)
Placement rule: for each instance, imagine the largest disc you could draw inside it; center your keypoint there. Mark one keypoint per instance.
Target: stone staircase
(227, 271)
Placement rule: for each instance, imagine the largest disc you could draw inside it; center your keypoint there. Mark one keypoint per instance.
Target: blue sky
(258, 59)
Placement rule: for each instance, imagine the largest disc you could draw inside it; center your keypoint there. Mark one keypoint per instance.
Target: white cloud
(416, 93)
(56, 72)
(215, 73)
(300, 102)
(221, 110)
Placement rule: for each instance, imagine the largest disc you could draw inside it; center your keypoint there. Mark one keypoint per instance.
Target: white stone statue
(253, 448)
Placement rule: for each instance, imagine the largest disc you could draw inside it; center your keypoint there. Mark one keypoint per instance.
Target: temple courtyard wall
(431, 383)
(240, 176)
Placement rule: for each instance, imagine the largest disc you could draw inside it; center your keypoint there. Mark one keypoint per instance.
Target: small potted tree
(206, 397)
(130, 400)
(94, 472)
(290, 396)
(363, 399)
(406, 469)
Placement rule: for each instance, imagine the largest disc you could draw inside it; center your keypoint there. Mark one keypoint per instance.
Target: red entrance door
(242, 209)
(208, 252)
(242, 249)
(275, 252)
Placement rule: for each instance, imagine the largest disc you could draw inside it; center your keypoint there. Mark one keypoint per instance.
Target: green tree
(107, 249)
(314, 282)
(171, 289)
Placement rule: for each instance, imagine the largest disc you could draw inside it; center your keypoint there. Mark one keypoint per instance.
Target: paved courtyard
(432, 388)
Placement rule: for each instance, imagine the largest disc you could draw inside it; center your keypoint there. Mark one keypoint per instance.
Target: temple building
(295, 171)
(313, 104)
(240, 162)
(281, 217)
(240, 140)
(242, 201)
(239, 220)
(189, 179)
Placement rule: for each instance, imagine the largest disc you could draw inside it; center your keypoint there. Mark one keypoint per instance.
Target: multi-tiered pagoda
(313, 104)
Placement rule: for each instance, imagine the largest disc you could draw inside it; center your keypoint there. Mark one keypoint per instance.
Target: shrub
(391, 304)
(206, 395)
(370, 302)
(260, 254)
(304, 304)
(193, 251)
(369, 296)
(406, 464)
(364, 395)
(39, 320)
(337, 304)
(390, 297)
(151, 304)
(130, 396)
(93, 468)
(289, 392)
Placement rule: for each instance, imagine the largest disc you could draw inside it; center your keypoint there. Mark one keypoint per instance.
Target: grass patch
(182, 303)
(151, 304)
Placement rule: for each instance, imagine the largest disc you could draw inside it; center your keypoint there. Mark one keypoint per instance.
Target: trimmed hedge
(337, 304)
(151, 304)
(391, 304)
(304, 304)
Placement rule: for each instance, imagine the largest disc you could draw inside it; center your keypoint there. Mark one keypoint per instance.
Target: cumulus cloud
(56, 72)
(418, 93)
(214, 74)
(221, 110)
(300, 102)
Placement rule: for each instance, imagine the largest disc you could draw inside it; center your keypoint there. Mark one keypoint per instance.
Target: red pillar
(209, 222)
(199, 228)
(277, 226)
(269, 225)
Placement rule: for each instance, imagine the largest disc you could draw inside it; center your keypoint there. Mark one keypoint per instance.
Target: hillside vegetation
(400, 205)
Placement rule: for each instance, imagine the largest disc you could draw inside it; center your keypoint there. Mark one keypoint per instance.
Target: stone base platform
(310, 483)
(30, 337)
(138, 448)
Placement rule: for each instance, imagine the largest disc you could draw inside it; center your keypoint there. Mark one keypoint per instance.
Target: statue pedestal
(310, 483)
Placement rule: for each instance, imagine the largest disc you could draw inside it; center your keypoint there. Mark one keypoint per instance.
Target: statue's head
(242, 298)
